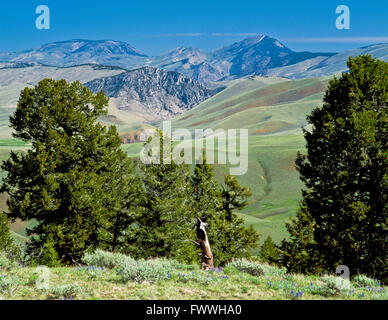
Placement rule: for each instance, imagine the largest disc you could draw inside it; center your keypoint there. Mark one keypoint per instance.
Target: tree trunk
(203, 243)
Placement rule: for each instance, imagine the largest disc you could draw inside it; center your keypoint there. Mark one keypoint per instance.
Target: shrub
(49, 256)
(168, 263)
(142, 270)
(273, 271)
(101, 258)
(332, 285)
(32, 279)
(230, 270)
(243, 265)
(6, 240)
(8, 285)
(255, 268)
(95, 274)
(268, 251)
(17, 253)
(6, 263)
(363, 281)
(67, 291)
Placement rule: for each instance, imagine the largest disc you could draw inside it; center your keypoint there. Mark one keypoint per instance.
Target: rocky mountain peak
(158, 92)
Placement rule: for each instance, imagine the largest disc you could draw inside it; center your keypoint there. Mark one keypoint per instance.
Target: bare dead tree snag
(203, 243)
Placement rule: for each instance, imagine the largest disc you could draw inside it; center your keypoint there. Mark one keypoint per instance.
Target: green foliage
(6, 263)
(243, 265)
(268, 251)
(9, 285)
(95, 273)
(105, 259)
(363, 281)
(143, 270)
(332, 285)
(188, 267)
(71, 180)
(125, 195)
(177, 280)
(228, 237)
(273, 271)
(344, 213)
(162, 222)
(84, 193)
(240, 239)
(255, 268)
(296, 254)
(234, 196)
(67, 291)
(6, 240)
(206, 204)
(230, 270)
(49, 256)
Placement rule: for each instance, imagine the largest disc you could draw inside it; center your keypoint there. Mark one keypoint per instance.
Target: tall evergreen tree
(64, 180)
(125, 190)
(344, 213)
(240, 238)
(268, 251)
(228, 236)
(206, 204)
(162, 222)
(234, 196)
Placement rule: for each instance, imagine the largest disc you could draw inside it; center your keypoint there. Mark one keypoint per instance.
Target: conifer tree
(234, 196)
(125, 192)
(268, 251)
(206, 204)
(240, 238)
(64, 181)
(228, 236)
(162, 222)
(344, 213)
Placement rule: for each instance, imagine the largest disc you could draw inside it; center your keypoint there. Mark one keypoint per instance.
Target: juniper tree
(344, 212)
(162, 222)
(234, 196)
(127, 192)
(64, 181)
(240, 238)
(228, 236)
(268, 251)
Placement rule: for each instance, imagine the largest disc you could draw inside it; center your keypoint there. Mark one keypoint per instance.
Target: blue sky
(154, 27)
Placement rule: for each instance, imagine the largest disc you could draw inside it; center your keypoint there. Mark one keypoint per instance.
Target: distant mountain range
(147, 89)
(259, 55)
(78, 52)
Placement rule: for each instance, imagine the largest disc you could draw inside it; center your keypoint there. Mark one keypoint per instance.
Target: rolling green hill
(262, 105)
(271, 176)
(273, 110)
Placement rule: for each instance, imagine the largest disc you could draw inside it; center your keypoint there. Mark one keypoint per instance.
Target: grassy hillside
(112, 276)
(264, 106)
(271, 176)
(273, 110)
